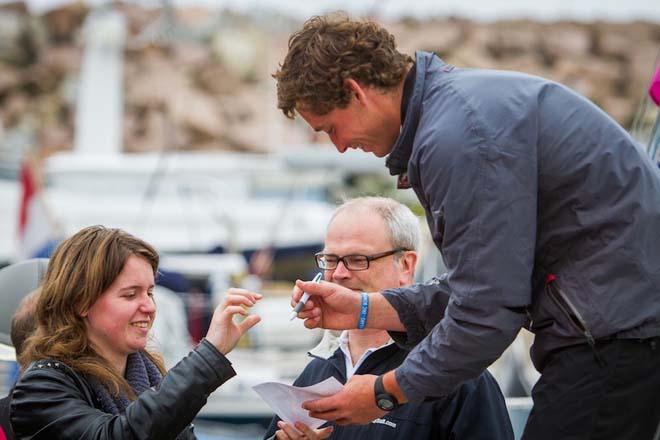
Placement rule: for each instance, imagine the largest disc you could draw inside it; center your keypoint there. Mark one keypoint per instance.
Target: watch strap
(381, 394)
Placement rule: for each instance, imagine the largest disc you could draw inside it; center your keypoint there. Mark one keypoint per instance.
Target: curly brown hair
(330, 49)
(80, 270)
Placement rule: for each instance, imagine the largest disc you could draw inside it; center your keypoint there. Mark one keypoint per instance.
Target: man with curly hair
(546, 213)
(333, 65)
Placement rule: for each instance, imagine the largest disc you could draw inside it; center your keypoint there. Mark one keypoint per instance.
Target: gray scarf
(141, 374)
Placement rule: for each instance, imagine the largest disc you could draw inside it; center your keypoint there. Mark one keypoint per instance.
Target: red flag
(35, 230)
(29, 188)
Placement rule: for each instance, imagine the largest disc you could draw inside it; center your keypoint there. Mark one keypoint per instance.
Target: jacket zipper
(561, 300)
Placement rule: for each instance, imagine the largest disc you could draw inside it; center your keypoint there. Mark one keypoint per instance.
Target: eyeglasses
(353, 262)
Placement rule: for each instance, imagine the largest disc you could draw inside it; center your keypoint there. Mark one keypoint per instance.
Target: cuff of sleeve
(219, 362)
(406, 387)
(415, 331)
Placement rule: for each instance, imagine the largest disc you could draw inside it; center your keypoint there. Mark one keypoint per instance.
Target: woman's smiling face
(118, 322)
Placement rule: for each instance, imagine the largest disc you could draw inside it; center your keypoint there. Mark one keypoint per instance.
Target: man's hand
(330, 305)
(355, 404)
(301, 432)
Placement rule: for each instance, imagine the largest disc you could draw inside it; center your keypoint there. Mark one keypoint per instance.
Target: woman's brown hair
(329, 50)
(80, 270)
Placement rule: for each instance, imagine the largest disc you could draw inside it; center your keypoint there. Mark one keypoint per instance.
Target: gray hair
(402, 224)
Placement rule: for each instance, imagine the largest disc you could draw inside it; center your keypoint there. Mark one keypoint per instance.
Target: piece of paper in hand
(287, 400)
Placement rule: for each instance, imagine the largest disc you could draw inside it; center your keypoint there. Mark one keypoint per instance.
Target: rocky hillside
(201, 79)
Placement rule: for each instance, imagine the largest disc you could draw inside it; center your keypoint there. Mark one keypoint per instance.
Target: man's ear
(408, 263)
(356, 89)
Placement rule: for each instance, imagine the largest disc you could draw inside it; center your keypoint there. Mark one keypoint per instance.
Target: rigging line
(654, 141)
(654, 138)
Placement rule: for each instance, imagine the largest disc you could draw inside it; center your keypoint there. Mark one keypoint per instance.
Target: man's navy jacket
(476, 410)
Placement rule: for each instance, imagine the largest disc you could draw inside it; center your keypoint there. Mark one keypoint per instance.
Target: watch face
(385, 404)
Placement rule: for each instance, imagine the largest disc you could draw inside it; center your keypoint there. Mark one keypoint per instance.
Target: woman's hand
(301, 432)
(223, 332)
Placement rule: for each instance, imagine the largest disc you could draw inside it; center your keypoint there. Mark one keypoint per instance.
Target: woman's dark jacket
(51, 401)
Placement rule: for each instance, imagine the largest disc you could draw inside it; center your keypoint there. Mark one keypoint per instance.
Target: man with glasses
(371, 245)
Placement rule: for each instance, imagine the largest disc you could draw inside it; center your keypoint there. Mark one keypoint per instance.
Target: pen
(305, 297)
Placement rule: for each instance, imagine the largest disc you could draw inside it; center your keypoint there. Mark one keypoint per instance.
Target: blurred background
(160, 118)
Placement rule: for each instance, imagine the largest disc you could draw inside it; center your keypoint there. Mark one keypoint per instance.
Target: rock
(610, 42)
(240, 51)
(137, 16)
(441, 39)
(61, 60)
(55, 138)
(209, 86)
(508, 40)
(15, 107)
(9, 79)
(199, 114)
(591, 76)
(193, 55)
(641, 63)
(212, 77)
(151, 80)
(620, 108)
(565, 40)
(20, 36)
(148, 130)
(64, 22)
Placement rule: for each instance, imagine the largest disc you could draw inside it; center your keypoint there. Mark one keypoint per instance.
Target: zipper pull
(592, 343)
(579, 321)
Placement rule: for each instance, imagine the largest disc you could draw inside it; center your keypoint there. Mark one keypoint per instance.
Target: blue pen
(305, 297)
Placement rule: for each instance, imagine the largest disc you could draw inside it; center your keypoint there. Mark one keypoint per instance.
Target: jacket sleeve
(481, 203)
(477, 410)
(51, 403)
(419, 316)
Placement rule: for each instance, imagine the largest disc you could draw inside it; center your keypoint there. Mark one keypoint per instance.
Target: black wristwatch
(384, 400)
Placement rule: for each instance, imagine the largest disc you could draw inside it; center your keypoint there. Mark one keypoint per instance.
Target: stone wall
(202, 80)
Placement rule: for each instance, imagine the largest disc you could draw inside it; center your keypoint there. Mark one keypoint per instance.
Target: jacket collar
(397, 161)
(328, 344)
(336, 360)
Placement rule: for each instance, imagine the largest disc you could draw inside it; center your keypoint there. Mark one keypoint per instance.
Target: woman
(88, 373)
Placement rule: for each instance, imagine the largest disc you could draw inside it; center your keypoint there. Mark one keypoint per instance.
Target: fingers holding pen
(319, 288)
(310, 310)
(311, 287)
(310, 314)
(296, 295)
(312, 323)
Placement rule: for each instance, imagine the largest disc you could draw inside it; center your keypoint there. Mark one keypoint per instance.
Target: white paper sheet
(287, 400)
